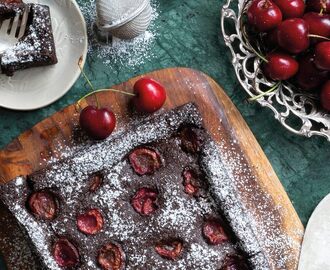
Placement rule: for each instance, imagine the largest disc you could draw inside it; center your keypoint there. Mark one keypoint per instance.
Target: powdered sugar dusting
(40, 234)
(225, 193)
(16, 248)
(271, 238)
(179, 215)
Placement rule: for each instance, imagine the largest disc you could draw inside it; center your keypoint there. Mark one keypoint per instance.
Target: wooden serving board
(31, 150)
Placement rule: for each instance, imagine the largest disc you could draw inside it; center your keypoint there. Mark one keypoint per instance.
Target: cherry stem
(86, 78)
(259, 55)
(99, 90)
(89, 83)
(252, 48)
(106, 90)
(272, 89)
(317, 36)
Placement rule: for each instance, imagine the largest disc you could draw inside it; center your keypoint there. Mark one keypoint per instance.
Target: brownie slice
(9, 8)
(36, 48)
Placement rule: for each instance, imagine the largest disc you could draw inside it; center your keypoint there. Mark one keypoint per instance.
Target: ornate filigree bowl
(298, 112)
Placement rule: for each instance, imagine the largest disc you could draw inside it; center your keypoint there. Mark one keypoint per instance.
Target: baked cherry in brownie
(214, 232)
(145, 160)
(43, 204)
(111, 257)
(169, 249)
(190, 181)
(95, 182)
(191, 139)
(90, 222)
(145, 201)
(65, 253)
(234, 262)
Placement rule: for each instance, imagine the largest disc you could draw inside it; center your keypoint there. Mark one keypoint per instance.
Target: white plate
(38, 87)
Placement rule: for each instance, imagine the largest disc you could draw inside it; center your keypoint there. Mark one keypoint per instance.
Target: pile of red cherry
(294, 38)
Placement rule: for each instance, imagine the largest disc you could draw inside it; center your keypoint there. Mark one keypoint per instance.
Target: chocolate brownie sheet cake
(9, 8)
(36, 47)
(155, 196)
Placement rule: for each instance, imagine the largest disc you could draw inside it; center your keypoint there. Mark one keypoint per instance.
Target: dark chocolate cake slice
(155, 196)
(9, 8)
(36, 47)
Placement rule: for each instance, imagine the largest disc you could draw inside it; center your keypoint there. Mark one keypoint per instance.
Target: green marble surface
(189, 36)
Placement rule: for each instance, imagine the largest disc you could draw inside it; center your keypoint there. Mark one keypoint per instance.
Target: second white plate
(38, 87)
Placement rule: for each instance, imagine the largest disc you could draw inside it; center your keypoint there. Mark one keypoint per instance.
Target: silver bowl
(298, 112)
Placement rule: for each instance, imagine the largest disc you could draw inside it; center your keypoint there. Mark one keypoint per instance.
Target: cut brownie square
(9, 8)
(36, 48)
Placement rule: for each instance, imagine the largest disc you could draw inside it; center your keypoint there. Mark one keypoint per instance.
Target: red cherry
(319, 24)
(90, 222)
(291, 8)
(325, 96)
(111, 257)
(150, 95)
(318, 5)
(43, 205)
(145, 201)
(280, 66)
(308, 76)
(270, 39)
(65, 253)
(214, 233)
(264, 15)
(292, 35)
(97, 123)
(322, 55)
(145, 160)
(169, 249)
